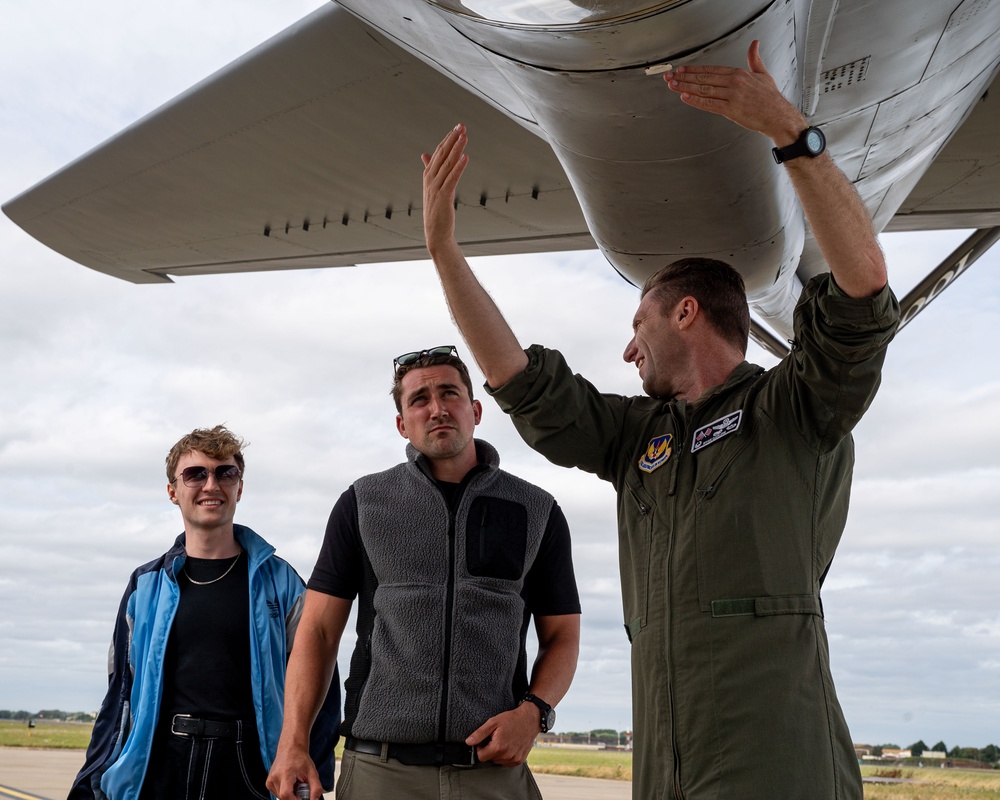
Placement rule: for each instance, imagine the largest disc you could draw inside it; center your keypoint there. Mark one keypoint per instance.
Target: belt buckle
(473, 759)
(173, 725)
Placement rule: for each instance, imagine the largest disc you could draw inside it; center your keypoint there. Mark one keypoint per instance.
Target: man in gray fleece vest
(450, 557)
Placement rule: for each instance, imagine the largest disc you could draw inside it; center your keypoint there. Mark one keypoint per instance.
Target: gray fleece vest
(447, 636)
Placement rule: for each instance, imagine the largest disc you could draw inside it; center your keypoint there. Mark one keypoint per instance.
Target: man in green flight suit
(733, 483)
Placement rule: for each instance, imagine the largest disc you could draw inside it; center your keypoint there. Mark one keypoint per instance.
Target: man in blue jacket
(197, 662)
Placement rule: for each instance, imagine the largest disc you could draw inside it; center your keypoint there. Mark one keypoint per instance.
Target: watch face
(814, 141)
(550, 720)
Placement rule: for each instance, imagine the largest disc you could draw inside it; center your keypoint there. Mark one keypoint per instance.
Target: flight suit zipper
(680, 433)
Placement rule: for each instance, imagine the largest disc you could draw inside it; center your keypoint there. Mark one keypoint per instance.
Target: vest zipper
(448, 611)
(482, 538)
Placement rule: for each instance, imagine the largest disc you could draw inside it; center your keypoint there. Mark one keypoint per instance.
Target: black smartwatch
(811, 142)
(548, 713)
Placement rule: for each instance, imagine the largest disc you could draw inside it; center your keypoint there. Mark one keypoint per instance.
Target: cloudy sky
(100, 377)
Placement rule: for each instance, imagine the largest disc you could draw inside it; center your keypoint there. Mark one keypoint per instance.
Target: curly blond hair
(218, 442)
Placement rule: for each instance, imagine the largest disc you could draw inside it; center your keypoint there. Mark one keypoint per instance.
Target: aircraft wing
(961, 189)
(287, 159)
(304, 153)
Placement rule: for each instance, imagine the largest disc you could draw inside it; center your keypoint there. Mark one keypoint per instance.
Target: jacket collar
(486, 454)
(258, 550)
(743, 372)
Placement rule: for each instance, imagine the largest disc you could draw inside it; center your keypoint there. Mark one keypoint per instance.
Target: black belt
(419, 755)
(186, 725)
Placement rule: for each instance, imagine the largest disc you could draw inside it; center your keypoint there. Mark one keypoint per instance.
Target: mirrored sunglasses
(225, 475)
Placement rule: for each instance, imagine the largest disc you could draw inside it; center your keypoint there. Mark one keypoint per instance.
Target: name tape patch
(657, 452)
(711, 433)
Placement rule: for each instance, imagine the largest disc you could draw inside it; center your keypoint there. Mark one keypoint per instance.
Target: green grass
(929, 783)
(55, 734)
(934, 783)
(609, 764)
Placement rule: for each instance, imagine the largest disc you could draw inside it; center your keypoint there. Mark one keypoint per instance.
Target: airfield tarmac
(35, 774)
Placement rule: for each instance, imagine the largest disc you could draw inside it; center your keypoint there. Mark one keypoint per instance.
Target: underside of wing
(305, 152)
(300, 154)
(961, 189)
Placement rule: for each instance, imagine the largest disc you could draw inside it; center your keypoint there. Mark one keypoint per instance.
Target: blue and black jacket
(123, 733)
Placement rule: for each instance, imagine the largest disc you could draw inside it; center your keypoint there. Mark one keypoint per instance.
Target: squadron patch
(711, 433)
(657, 452)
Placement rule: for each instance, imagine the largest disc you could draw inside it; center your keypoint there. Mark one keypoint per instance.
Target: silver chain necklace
(214, 580)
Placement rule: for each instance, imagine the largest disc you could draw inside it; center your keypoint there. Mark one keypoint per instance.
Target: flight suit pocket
(496, 538)
(753, 521)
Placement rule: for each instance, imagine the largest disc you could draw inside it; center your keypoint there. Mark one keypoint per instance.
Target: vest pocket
(496, 538)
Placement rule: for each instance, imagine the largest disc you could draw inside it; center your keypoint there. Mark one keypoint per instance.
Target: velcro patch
(711, 433)
(657, 452)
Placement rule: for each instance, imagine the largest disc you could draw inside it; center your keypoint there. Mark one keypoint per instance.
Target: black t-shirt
(206, 671)
(549, 586)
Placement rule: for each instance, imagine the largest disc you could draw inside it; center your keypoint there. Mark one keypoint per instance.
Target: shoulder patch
(657, 452)
(711, 433)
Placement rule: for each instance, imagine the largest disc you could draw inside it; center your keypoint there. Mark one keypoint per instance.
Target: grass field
(934, 783)
(610, 764)
(928, 783)
(72, 735)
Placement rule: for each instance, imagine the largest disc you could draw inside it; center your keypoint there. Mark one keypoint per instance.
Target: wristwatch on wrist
(811, 142)
(548, 713)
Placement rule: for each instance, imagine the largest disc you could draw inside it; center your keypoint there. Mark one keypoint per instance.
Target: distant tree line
(48, 713)
(988, 755)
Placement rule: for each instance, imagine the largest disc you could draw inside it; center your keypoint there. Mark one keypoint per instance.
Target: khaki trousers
(368, 777)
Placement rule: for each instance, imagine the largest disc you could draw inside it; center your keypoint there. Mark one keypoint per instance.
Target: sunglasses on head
(225, 475)
(433, 352)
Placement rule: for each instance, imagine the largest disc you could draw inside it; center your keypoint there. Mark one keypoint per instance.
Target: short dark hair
(718, 288)
(218, 442)
(429, 361)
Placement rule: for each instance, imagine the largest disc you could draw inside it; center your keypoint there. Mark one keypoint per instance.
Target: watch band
(548, 716)
(811, 142)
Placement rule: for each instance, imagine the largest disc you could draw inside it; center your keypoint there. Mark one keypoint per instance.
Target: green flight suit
(730, 509)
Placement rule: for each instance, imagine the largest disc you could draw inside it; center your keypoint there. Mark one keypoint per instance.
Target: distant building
(891, 753)
(584, 741)
(934, 754)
